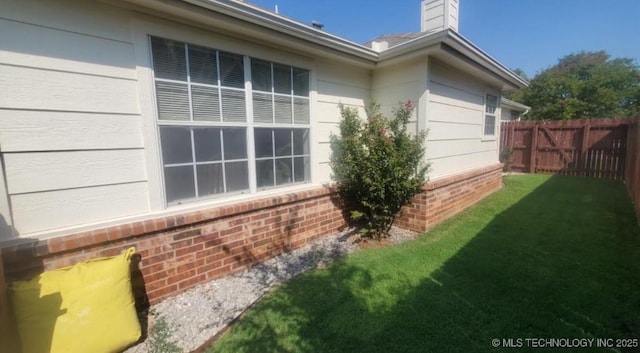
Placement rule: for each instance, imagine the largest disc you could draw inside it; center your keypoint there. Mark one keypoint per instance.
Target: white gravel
(198, 314)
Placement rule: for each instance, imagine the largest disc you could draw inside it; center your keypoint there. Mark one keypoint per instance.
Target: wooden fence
(600, 148)
(594, 148)
(632, 177)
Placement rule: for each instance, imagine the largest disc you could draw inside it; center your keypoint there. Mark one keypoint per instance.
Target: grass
(550, 257)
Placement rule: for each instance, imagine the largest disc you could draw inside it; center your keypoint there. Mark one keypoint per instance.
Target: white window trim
(142, 28)
(496, 116)
(253, 190)
(251, 152)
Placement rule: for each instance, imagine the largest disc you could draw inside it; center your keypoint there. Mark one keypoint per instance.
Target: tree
(584, 85)
(520, 72)
(379, 166)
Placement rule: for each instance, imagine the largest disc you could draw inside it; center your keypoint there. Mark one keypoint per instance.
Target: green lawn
(551, 257)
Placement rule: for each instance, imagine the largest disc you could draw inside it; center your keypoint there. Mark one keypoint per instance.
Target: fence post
(585, 146)
(630, 162)
(534, 149)
(635, 173)
(637, 169)
(512, 135)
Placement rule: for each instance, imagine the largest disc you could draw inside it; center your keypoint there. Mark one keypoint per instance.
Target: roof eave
(315, 38)
(460, 45)
(412, 45)
(260, 20)
(256, 15)
(514, 105)
(471, 50)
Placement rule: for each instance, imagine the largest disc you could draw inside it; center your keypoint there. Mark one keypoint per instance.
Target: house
(198, 130)
(512, 110)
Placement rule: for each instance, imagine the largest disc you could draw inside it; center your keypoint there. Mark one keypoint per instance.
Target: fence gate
(594, 148)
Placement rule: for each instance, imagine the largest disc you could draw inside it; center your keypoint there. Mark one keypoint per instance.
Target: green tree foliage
(379, 166)
(584, 85)
(520, 72)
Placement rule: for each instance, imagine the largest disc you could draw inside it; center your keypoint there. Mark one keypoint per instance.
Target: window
(490, 104)
(205, 120)
(280, 93)
(515, 115)
(282, 156)
(201, 161)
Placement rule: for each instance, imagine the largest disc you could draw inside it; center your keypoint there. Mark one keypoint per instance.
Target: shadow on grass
(547, 257)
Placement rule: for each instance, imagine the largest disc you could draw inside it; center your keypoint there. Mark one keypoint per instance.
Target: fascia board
(284, 25)
(239, 19)
(416, 44)
(513, 104)
(308, 35)
(470, 50)
(434, 41)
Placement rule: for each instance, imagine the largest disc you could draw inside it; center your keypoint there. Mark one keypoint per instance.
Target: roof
(250, 21)
(513, 105)
(394, 39)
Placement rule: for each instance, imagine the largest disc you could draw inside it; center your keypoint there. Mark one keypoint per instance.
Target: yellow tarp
(8, 336)
(88, 307)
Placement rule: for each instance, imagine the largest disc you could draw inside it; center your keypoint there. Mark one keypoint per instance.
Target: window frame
(249, 125)
(194, 163)
(494, 114)
(291, 156)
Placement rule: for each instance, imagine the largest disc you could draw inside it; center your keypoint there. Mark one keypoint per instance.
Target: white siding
(394, 85)
(61, 50)
(439, 14)
(89, 18)
(336, 84)
(455, 114)
(43, 89)
(72, 169)
(37, 212)
(454, 14)
(70, 132)
(78, 130)
(460, 163)
(30, 130)
(78, 127)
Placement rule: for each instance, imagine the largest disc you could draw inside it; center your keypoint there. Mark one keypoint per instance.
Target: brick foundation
(178, 252)
(445, 197)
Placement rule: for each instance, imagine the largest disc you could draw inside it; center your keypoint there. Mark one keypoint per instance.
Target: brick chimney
(437, 15)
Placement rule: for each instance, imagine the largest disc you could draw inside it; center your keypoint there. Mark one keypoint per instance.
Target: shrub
(379, 166)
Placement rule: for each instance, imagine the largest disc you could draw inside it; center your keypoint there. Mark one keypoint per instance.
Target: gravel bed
(198, 314)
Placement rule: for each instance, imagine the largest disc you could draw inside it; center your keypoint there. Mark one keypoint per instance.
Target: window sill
(198, 205)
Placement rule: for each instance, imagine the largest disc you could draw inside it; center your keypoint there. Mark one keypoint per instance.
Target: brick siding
(175, 253)
(445, 197)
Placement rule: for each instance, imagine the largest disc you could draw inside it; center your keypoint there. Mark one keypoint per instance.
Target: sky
(527, 34)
